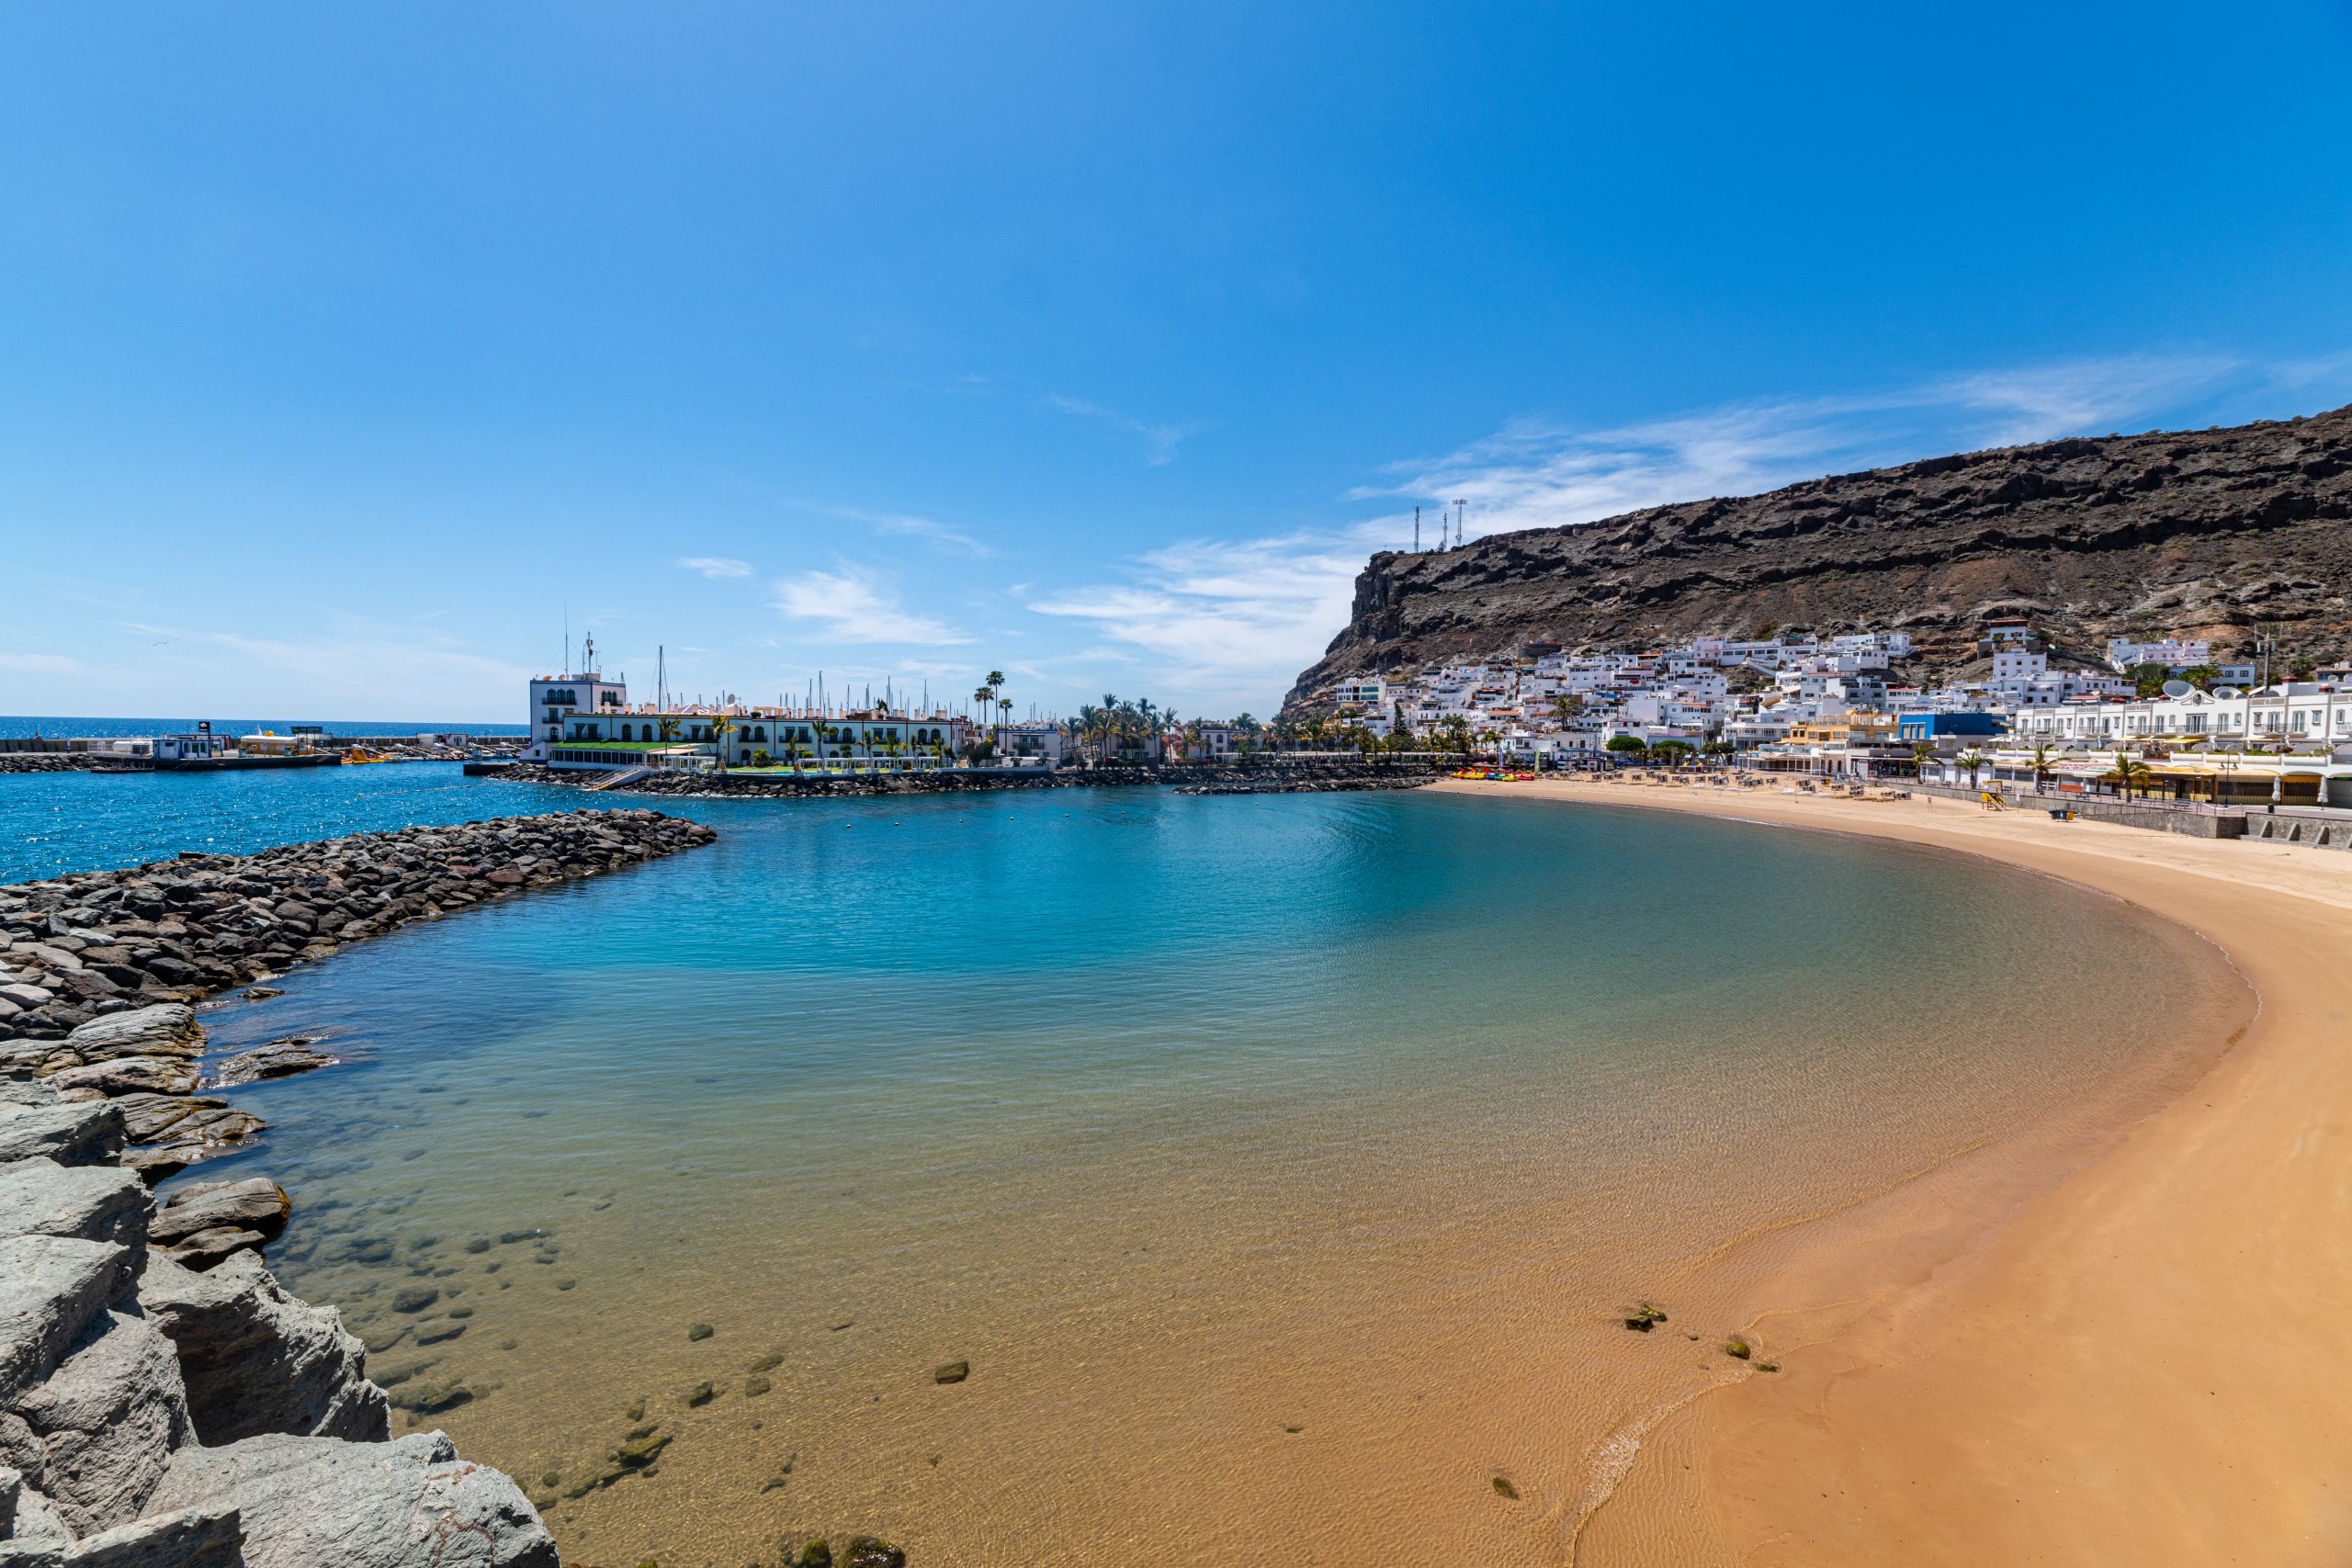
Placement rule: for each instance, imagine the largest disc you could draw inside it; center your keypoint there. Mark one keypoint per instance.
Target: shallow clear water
(1275, 1162)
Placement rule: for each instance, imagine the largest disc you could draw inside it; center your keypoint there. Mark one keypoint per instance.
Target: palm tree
(2042, 771)
(1003, 712)
(2128, 770)
(1971, 762)
(1921, 755)
(719, 725)
(668, 727)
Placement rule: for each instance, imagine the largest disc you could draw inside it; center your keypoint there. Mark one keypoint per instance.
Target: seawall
(1267, 774)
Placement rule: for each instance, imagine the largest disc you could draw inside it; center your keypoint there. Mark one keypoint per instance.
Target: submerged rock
(278, 1059)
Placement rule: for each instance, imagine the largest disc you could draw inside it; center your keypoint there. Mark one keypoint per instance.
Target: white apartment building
(2016, 668)
(2173, 654)
(2302, 713)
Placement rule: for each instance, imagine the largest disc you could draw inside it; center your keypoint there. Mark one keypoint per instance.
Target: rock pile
(152, 1413)
(97, 970)
(81, 947)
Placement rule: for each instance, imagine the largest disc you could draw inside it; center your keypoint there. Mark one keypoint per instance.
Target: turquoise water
(51, 823)
(1273, 1160)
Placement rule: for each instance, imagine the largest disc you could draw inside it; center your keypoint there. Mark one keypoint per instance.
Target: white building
(2173, 654)
(2303, 713)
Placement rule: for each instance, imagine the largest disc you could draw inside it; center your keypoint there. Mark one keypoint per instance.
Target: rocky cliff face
(2216, 533)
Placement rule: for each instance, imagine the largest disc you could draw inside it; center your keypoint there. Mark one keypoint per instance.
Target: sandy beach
(2135, 1366)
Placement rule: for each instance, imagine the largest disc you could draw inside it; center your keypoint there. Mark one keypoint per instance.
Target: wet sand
(2138, 1365)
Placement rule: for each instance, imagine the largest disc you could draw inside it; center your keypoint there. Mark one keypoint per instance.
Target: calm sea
(1279, 1165)
(67, 726)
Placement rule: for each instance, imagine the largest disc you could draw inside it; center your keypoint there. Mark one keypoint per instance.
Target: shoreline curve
(2131, 1366)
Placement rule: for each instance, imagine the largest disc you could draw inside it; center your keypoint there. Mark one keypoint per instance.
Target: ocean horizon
(71, 726)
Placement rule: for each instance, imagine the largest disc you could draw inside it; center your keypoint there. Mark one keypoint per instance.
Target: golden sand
(2140, 1365)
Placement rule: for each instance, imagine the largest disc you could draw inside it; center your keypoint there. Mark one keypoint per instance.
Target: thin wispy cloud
(851, 605)
(352, 656)
(942, 536)
(908, 525)
(1228, 621)
(1536, 473)
(40, 664)
(1160, 441)
(1235, 621)
(716, 567)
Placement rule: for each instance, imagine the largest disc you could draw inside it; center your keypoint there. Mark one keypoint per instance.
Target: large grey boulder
(189, 1538)
(28, 1522)
(109, 1418)
(94, 1202)
(258, 1361)
(257, 1203)
(51, 1288)
(70, 1134)
(317, 1503)
(167, 1029)
(130, 1075)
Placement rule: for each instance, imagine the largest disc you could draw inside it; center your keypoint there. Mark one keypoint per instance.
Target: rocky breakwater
(97, 970)
(163, 1408)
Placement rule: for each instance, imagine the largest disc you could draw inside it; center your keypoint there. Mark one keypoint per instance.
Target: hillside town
(2155, 719)
(2159, 719)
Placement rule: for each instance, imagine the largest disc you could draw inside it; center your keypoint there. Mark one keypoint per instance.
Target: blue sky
(346, 349)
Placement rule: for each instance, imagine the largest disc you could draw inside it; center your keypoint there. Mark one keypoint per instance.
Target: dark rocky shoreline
(163, 1408)
(163, 1400)
(164, 1403)
(177, 930)
(1257, 776)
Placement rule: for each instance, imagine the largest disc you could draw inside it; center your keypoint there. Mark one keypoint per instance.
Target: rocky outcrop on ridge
(153, 1415)
(2214, 534)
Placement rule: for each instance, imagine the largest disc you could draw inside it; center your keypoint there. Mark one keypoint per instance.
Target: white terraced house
(2304, 714)
(2173, 654)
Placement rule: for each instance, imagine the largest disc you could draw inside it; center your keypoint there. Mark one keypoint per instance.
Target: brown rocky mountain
(2222, 533)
